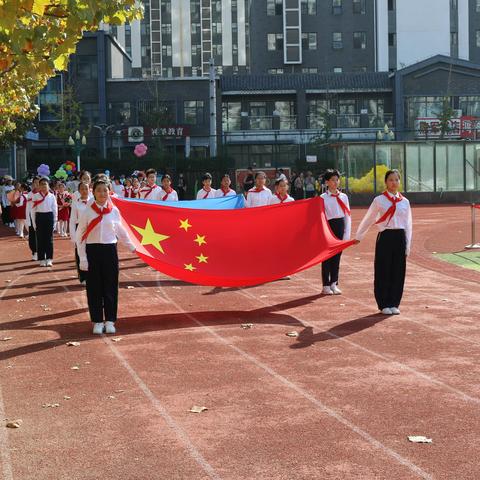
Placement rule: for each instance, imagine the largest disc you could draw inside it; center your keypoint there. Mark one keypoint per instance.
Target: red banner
(227, 248)
(476, 206)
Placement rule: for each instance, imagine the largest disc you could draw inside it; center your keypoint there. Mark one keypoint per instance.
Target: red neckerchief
(258, 190)
(225, 191)
(38, 202)
(344, 208)
(282, 199)
(33, 193)
(83, 201)
(167, 193)
(393, 208)
(149, 190)
(206, 195)
(98, 219)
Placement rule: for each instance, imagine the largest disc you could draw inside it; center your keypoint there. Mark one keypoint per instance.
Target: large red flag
(227, 248)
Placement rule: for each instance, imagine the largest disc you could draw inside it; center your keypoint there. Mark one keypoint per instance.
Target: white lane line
(305, 394)
(178, 430)
(464, 396)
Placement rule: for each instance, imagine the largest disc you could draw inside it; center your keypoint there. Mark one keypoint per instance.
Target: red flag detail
(391, 211)
(98, 219)
(231, 247)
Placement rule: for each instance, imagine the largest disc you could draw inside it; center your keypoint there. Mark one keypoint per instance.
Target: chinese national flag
(228, 248)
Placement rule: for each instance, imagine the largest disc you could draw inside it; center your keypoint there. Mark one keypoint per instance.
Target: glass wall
(420, 168)
(449, 167)
(472, 166)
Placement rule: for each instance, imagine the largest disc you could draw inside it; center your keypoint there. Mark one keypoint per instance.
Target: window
(337, 7)
(337, 69)
(309, 7)
(391, 5)
(454, 39)
(309, 70)
(360, 69)
(193, 112)
(359, 7)
(87, 67)
(309, 41)
(478, 37)
(216, 27)
(477, 6)
(274, 7)
(360, 40)
(275, 41)
(392, 39)
(217, 50)
(119, 112)
(89, 114)
(167, 50)
(167, 29)
(337, 40)
(50, 100)
(275, 71)
(470, 105)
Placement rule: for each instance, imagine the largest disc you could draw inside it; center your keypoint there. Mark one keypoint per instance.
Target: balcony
(260, 123)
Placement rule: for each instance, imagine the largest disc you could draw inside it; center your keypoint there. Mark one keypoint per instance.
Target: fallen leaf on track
(73, 344)
(419, 439)
(14, 424)
(66, 397)
(50, 405)
(21, 300)
(75, 367)
(246, 326)
(116, 339)
(129, 287)
(6, 339)
(292, 334)
(198, 409)
(8, 281)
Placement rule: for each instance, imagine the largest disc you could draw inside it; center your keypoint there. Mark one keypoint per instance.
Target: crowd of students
(83, 210)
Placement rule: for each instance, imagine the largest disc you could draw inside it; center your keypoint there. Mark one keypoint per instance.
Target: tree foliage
(36, 40)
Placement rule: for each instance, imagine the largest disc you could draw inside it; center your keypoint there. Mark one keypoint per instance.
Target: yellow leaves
(39, 6)
(61, 62)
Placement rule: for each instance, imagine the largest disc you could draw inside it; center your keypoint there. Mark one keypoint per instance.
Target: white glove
(83, 265)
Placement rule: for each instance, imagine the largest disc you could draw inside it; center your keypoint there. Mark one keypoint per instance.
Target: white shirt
(107, 231)
(402, 219)
(275, 199)
(220, 193)
(154, 195)
(48, 205)
(258, 199)
(333, 210)
(202, 194)
(78, 207)
(119, 189)
(172, 196)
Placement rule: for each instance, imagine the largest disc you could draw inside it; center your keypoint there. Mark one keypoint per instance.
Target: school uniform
(44, 217)
(78, 208)
(337, 211)
(393, 217)
(224, 193)
(130, 192)
(32, 236)
(119, 189)
(63, 202)
(277, 198)
(98, 229)
(21, 213)
(203, 194)
(150, 193)
(170, 196)
(6, 205)
(258, 197)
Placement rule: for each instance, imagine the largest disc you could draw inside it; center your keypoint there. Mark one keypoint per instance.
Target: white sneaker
(43, 263)
(395, 311)
(327, 290)
(335, 290)
(110, 327)
(387, 311)
(35, 257)
(83, 282)
(98, 328)
(49, 263)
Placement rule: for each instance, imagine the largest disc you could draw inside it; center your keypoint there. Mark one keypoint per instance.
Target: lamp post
(103, 128)
(78, 145)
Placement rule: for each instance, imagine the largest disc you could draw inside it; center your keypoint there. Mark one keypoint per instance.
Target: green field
(468, 259)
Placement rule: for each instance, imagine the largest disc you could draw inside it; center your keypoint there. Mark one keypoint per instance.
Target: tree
(444, 117)
(36, 40)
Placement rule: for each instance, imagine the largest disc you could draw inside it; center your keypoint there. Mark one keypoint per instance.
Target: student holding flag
(392, 215)
(151, 191)
(206, 191)
(259, 195)
(98, 229)
(337, 211)
(167, 193)
(225, 190)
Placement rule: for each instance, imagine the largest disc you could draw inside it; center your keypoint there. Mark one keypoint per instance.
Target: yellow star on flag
(202, 258)
(150, 236)
(184, 224)
(200, 240)
(189, 266)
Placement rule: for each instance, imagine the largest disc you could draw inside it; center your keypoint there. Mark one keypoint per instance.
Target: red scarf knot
(388, 215)
(344, 208)
(38, 202)
(282, 199)
(167, 193)
(96, 220)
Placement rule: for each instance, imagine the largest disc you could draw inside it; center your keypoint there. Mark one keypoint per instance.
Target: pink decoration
(140, 150)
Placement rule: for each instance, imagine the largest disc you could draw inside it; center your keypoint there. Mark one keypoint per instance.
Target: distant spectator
(249, 180)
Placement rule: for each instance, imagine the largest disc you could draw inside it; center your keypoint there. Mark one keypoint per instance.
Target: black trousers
(102, 281)
(6, 215)
(32, 239)
(331, 266)
(390, 266)
(44, 232)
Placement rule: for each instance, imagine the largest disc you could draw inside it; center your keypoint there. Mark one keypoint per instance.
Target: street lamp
(78, 145)
(103, 132)
(386, 134)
